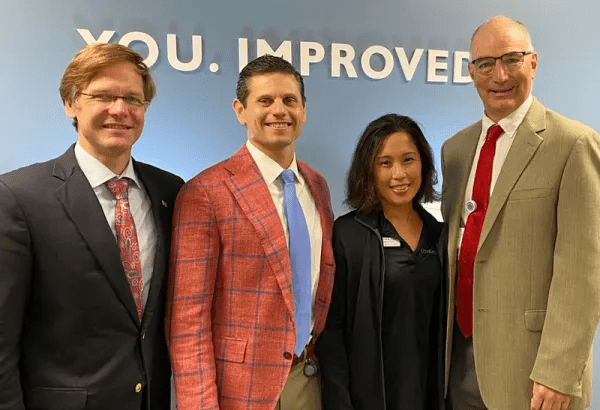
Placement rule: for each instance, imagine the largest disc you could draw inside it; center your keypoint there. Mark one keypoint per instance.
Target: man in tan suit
(525, 255)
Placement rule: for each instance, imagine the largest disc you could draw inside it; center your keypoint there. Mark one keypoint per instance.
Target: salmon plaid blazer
(230, 312)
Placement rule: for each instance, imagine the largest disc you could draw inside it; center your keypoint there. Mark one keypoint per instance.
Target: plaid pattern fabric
(230, 323)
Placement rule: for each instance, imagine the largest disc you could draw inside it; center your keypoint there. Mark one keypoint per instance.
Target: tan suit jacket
(536, 291)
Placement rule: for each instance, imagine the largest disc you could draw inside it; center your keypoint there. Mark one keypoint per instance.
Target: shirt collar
(270, 169)
(511, 122)
(97, 173)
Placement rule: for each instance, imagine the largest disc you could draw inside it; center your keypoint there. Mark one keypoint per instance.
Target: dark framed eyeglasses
(107, 99)
(510, 61)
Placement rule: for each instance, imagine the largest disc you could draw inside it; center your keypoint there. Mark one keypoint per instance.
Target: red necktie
(127, 240)
(472, 233)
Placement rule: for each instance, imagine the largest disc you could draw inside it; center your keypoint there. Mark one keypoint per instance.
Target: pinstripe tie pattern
(129, 248)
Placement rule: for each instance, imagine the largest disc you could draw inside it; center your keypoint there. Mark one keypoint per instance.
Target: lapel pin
(471, 206)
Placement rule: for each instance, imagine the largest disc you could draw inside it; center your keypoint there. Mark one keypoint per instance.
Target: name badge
(391, 242)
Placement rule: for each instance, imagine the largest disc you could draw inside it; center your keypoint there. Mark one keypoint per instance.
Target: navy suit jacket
(69, 333)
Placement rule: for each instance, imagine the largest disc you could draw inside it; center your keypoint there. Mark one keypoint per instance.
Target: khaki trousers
(300, 392)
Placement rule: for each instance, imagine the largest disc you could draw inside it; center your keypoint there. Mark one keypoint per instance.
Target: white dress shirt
(509, 126)
(270, 171)
(139, 202)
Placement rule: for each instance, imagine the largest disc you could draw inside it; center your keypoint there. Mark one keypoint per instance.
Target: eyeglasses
(510, 61)
(107, 99)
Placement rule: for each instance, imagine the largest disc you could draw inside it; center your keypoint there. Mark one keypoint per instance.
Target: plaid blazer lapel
(318, 188)
(253, 197)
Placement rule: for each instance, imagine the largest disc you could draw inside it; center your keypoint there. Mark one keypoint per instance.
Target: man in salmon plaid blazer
(230, 316)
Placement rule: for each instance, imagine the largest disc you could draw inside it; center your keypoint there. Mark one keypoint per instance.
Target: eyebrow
(108, 91)
(269, 95)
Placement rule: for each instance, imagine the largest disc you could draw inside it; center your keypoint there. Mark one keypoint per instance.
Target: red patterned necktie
(472, 233)
(127, 240)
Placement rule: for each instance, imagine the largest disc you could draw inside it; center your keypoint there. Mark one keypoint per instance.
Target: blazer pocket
(231, 350)
(534, 320)
(56, 398)
(519, 194)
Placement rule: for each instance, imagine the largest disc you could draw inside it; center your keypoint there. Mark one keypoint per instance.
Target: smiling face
(502, 91)
(108, 130)
(397, 171)
(273, 115)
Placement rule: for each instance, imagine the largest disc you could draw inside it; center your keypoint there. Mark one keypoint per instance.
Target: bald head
(501, 27)
(506, 86)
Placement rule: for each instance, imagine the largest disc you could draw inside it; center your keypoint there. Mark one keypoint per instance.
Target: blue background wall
(190, 124)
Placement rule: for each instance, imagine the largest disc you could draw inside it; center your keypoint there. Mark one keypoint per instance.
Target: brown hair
(361, 190)
(92, 59)
(264, 65)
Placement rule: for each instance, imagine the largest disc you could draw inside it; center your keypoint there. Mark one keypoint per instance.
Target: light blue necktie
(300, 260)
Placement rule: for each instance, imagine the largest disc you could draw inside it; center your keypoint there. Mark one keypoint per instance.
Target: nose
(118, 107)
(499, 74)
(278, 107)
(398, 171)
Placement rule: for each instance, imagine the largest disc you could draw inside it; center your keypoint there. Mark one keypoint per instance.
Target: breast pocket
(530, 193)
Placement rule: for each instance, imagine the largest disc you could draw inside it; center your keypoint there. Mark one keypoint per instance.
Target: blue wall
(190, 125)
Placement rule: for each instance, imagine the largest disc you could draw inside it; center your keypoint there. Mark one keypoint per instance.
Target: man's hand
(545, 398)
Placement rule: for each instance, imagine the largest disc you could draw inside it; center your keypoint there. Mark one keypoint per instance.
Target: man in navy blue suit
(75, 331)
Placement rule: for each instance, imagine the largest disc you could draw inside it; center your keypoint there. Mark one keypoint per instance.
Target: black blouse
(410, 318)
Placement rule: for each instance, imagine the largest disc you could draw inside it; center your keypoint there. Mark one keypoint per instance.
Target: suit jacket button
(138, 387)
(287, 355)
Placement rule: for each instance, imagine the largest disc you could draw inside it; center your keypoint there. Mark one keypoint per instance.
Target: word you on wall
(342, 57)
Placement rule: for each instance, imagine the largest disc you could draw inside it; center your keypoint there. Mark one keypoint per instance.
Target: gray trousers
(463, 389)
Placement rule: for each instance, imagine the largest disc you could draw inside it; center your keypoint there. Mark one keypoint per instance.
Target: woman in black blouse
(383, 345)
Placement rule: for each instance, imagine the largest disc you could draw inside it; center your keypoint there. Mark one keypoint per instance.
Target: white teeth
(279, 124)
(116, 126)
(400, 188)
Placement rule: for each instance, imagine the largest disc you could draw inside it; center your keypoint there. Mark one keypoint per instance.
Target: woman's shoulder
(355, 223)
(346, 222)
(346, 217)
(354, 218)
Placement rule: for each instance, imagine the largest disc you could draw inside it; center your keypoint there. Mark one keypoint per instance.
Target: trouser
(300, 392)
(463, 389)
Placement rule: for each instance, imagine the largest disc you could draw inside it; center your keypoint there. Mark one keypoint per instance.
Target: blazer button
(138, 387)
(287, 355)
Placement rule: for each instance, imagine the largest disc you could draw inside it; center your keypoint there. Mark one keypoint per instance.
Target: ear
(471, 68)
(534, 63)
(304, 112)
(69, 109)
(239, 110)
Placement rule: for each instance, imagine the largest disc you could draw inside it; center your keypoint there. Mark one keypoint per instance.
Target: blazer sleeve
(194, 257)
(16, 269)
(331, 344)
(574, 297)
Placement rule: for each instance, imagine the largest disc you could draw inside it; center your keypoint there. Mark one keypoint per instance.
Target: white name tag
(391, 243)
